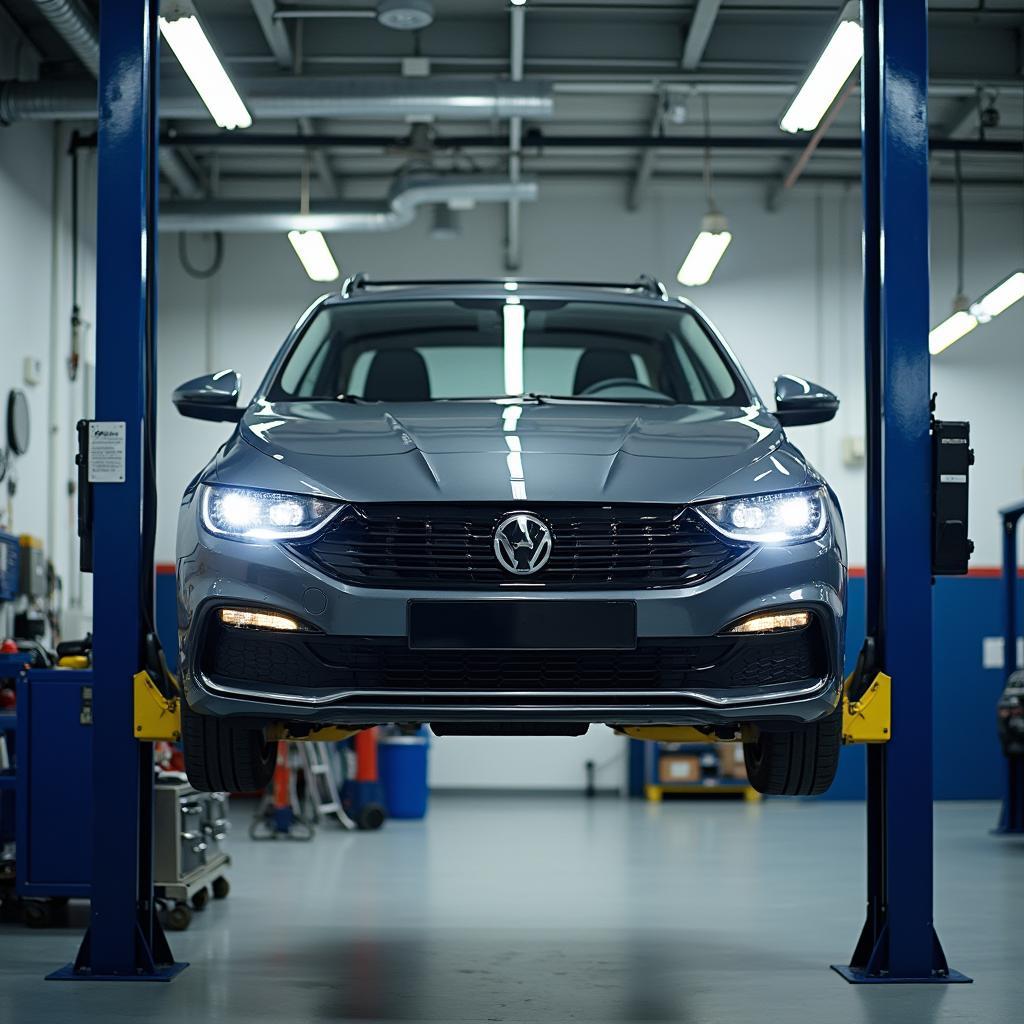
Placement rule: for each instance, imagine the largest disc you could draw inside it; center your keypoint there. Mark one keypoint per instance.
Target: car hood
(484, 451)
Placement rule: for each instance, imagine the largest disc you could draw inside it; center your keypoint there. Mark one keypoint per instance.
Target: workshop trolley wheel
(179, 917)
(221, 888)
(200, 898)
(371, 817)
(36, 914)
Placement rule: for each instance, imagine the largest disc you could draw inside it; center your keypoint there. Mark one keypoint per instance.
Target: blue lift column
(898, 942)
(124, 940)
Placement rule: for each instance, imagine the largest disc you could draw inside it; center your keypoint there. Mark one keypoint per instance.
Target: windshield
(450, 349)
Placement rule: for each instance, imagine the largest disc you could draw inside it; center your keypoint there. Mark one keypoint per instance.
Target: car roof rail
(645, 283)
(354, 283)
(650, 284)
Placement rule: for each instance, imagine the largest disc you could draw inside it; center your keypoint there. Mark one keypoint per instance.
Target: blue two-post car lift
(898, 943)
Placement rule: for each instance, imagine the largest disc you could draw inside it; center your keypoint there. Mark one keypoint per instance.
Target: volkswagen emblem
(522, 543)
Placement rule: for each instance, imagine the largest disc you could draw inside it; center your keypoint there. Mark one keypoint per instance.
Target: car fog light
(250, 618)
(772, 622)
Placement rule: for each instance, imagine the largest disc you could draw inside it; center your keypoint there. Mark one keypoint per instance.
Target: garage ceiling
(617, 70)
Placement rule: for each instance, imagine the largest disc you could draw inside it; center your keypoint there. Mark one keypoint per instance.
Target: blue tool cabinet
(53, 783)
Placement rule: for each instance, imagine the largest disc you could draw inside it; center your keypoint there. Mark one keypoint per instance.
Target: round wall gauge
(17, 422)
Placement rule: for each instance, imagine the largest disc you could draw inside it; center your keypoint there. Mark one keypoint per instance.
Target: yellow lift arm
(159, 718)
(866, 720)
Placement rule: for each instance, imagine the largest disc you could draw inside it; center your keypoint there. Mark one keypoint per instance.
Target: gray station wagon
(510, 507)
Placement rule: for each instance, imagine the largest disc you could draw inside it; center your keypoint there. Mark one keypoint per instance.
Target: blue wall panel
(968, 762)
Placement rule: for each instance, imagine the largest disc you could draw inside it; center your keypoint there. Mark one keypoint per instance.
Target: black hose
(215, 263)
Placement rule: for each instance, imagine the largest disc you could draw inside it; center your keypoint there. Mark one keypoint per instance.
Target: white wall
(787, 296)
(35, 307)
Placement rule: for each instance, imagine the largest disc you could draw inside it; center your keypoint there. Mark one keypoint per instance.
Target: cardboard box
(730, 762)
(679, 768)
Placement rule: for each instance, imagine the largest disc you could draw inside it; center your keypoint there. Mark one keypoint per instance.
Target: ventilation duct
(398, 99)
(398, 210)
(76, 27)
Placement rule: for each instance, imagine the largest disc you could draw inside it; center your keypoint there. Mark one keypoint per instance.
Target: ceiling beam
(701, 25)
(645, 162)
(274, 32)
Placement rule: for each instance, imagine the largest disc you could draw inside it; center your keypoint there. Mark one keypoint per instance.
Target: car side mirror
(214, 396)
(800, 402)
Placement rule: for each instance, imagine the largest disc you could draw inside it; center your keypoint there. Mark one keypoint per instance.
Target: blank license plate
(528, 625)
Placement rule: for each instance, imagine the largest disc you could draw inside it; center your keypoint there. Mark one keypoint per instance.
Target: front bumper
(218, 572)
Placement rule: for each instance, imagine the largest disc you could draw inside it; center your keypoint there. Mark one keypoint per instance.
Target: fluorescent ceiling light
(707, 249)
(951, 329)
(841, 55)
(312, 249)
(1000, 298)
(186, 38)
(514, 317)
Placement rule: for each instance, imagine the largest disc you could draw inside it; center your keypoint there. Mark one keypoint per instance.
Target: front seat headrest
(397, 375)
(597, 364)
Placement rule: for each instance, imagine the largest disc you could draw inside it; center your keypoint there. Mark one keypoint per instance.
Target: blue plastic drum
(403, 772)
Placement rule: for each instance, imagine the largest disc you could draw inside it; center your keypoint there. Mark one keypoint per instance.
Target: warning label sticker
(106, 451)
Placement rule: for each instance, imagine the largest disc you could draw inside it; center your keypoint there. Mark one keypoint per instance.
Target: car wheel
(221, 757)
(801, 762)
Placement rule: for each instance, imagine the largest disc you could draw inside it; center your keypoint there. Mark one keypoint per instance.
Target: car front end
(515, 562)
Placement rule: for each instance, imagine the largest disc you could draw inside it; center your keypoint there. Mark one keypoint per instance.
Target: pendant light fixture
(967, 315)
(310, 246)
(714, 236)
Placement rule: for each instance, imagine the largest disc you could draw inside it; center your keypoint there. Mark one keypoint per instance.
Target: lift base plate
(856, 977)
(68, 973)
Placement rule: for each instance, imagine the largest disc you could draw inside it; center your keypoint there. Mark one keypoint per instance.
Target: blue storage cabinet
(54, 790)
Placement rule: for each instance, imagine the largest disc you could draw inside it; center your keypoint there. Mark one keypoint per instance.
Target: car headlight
(784, 518)
(243, 513)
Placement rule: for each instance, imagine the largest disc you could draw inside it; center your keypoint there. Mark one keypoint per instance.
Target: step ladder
(322, 783)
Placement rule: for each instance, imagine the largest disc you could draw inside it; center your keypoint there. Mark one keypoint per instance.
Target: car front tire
(221, 757)
(801, 762)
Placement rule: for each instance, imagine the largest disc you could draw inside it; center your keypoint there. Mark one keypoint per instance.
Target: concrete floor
(559, 909)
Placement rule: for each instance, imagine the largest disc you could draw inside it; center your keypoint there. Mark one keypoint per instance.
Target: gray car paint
(458, 451)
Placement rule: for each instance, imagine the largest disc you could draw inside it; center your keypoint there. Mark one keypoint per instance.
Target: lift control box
(952, 458)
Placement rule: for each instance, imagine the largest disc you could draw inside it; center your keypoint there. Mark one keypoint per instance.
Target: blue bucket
(403, 773)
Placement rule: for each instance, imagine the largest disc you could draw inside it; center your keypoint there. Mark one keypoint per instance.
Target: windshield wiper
(653, 400)
(354, 399)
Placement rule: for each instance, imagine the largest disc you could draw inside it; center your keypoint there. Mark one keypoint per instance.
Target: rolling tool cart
(1010, 709)
(189, 862)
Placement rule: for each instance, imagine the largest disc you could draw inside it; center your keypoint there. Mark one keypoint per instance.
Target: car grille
(445, 546)
(247, 657)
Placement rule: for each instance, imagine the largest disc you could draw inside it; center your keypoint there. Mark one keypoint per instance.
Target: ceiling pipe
(398, 210)
(281, 98)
